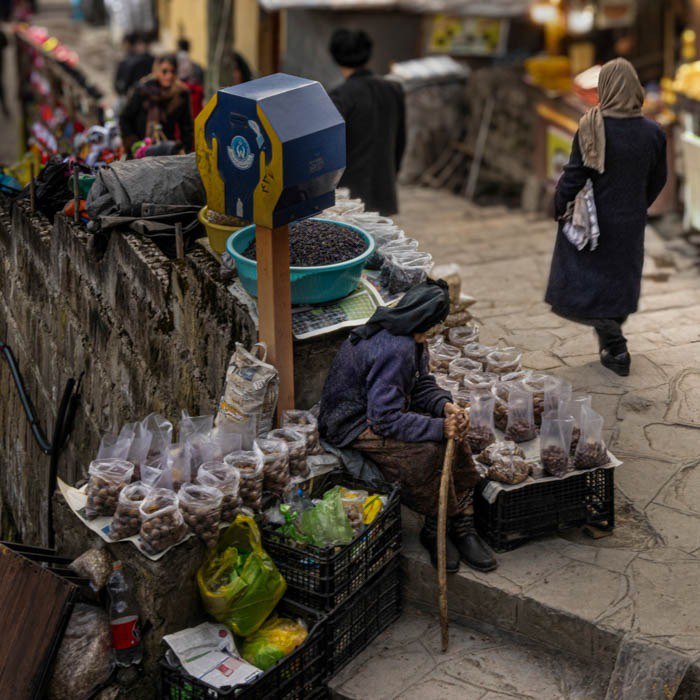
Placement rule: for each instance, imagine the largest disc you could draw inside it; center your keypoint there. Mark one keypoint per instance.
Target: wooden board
(35, 605)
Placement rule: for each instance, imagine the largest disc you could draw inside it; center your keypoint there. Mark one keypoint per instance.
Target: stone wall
(150, 334)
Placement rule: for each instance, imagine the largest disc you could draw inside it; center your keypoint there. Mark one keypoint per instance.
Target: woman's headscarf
(620, 95)
(421, 308)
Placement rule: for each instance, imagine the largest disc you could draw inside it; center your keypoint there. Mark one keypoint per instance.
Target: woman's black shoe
(472, 549)
(620, 364)
(428, 538)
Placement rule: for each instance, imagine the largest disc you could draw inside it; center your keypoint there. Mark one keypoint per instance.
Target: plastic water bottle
(124, 618)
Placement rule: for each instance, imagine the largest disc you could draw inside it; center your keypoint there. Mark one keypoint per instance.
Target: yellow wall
(246, 25)
(186, 18)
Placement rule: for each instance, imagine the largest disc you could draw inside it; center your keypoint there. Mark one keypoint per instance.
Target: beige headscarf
(620, 95)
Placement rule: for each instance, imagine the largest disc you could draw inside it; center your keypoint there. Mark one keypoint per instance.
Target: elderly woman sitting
(381, 400)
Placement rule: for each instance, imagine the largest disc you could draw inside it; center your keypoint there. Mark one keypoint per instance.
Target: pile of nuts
(127, 518)
(296, 442)
(590, 455)
(162, 524)
(508, 469)
(555, 460)
(520, 430)
(480, 437)
(107, 478)
(201, 509)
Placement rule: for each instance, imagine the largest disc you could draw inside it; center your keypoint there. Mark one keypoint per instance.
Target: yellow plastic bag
(277, 638)
(239, 583)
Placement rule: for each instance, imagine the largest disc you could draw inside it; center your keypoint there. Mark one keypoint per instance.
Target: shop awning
(479, 8)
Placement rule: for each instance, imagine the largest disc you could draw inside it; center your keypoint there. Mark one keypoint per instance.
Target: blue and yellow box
(270, 151)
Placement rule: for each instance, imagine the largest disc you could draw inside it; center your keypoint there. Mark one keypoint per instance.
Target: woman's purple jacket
(382, 383)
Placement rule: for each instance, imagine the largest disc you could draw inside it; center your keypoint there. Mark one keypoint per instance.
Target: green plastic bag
(326, 524)
(239, 583)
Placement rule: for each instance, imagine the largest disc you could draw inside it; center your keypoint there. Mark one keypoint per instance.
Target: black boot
(620, 364)
(472, 549)
(428, 538)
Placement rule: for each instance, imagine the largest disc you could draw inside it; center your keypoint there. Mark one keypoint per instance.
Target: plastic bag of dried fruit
(107, 477)
(127, 518)
(440, 355)
(481, 428)
(162, 524)
(480, 381)
(251, 389)
(555, 441)
(556, 392)
(250, 465)
(459, 336)
(508, 469)
(497, 449)
(304, 422)
(276, 464)
(591, 451)
(574, 408)
(521, 417)
(460, 367)
(503, 361)
(201, 508)
(296, 442)
(227, 479)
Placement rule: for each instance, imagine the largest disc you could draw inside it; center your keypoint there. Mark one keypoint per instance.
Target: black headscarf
(421, 308)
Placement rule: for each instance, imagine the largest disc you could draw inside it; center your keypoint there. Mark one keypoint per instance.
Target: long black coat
(605, 283)
(374, 113)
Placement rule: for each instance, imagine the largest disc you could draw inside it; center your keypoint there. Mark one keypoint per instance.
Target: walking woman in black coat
(624, 156)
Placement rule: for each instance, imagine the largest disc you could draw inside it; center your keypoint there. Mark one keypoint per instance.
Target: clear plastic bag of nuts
(107, 477)
(591, 451)
(446, 383)
(508, 469)
(537, 384)
(296, 442)
(353, 505)
(574, 408)
(521, 417)
(459, 336)
(162, 524)
(503, 361)
(555, 441)
(498, 449)
(276, 464)
(460, 367)
(127, 518)
(304, 422)
(250, 464)
(227, 479)
(481, 428)
(201, 508)
(477, 352)
(440, 356)
(480, 381)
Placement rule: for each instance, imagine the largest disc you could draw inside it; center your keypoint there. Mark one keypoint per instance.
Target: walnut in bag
(463, 335)
(508, 469)
(276, 464)
(460, 367)
(440, 356)
(501, 392)
(555, 441)
(481, 428)
(201, 509)
(250, 465)
(521, 417)
(162, 524)
(304, 422)
(504, 361)
(503, 447)
(477, 352)
(296, 442)
(107, 477)
(480, 381)
(591, 452)
(227, 479)
(574, 408)
(127, 518)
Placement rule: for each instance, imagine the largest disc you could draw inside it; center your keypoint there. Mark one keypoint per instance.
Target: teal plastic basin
(310, 285)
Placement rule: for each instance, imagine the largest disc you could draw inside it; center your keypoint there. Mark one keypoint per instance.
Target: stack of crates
(356, 586)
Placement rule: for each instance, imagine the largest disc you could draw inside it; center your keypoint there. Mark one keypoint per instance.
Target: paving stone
(641, 479)
(685, 402)
(678, 529)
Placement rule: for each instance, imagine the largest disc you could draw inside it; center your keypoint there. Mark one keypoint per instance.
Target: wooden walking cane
(441, 541)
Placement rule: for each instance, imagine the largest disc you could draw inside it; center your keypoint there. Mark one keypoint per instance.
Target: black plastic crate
(543, 508)
(352, 626)
(301, 675)
(322, 578)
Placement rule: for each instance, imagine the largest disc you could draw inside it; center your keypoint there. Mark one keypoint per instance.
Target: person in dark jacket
(135, 65)
(380, 399)
(374, 113)
(624, 156)
(159, 108)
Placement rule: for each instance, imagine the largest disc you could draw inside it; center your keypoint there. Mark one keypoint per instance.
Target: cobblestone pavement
(642, 581)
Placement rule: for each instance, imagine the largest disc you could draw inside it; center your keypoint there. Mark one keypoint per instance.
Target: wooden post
(179, 241)
(275, 307)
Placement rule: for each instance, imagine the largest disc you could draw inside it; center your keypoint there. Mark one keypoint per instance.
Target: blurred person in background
(158, 107)
(191, 74)
(623, 154)
(136, 64)
(3, 46)
(236, 68)
(374, 113)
